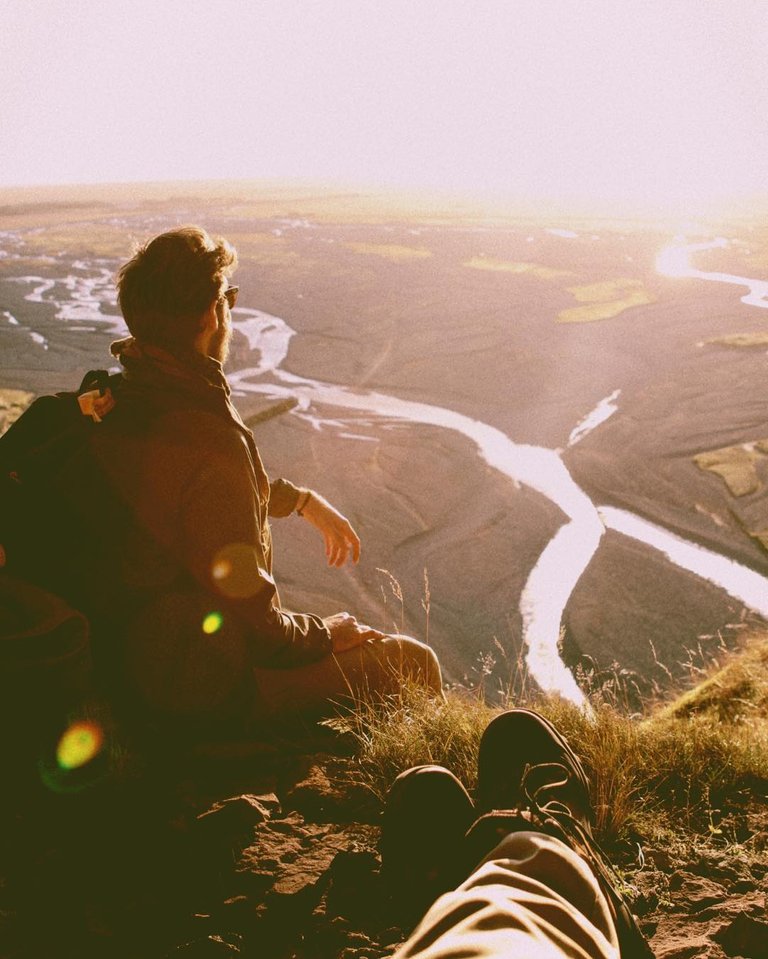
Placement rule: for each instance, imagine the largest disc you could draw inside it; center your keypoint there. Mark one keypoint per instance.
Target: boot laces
(554, 817)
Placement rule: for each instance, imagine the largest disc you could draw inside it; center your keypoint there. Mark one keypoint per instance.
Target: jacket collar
(188, 379)
(141, 360)
(154, 377)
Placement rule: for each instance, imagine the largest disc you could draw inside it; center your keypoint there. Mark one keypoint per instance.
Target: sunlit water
(603, 411)
(741, 582)
(552, 581)
(78, 299)
(676, 261)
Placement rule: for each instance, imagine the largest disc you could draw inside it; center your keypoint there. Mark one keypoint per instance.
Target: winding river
(567, 555)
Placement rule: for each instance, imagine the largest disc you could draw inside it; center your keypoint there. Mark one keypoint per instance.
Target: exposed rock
(354, 891)
(724, 868)
(683, 945)
(661, 858)
(650, 885)
(325, 794)
(697, 891)
(731, 923)
(339, 938)
(746, 936)
(284, 875)
(238, 813)
(316, 797)
(295, 854)
(242, 875)
(219, 834)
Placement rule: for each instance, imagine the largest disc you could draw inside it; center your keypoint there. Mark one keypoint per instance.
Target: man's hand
(340, 539)
(346, 632)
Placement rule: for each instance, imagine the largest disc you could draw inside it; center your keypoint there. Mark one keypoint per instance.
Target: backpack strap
(101, 380)
(95, 396)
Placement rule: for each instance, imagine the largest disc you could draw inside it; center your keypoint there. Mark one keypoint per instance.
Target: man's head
(171, 291)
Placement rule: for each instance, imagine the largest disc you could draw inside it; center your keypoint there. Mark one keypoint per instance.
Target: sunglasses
(230, 295)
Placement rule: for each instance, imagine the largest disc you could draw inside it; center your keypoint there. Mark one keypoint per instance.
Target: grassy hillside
(684, 771)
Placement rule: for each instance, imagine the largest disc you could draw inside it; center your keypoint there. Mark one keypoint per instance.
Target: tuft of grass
(395, 591)
(735, 693)
(413, 728)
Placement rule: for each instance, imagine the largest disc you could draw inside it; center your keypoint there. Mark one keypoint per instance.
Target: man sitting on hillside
(170, 502)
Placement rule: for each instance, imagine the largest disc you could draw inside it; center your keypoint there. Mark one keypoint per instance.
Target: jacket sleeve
(227, 548)
(283, 497)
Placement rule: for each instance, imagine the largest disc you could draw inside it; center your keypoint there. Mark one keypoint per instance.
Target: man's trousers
(531, 898)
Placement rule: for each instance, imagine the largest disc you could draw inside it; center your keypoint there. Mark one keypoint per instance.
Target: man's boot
(542, 787)
(425, 818)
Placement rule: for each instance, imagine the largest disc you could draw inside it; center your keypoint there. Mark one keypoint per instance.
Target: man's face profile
(219, 345)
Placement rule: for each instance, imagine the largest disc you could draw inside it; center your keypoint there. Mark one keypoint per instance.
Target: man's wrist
(305, 498)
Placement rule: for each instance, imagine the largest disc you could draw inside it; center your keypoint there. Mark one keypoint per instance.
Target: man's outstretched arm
(341, 540)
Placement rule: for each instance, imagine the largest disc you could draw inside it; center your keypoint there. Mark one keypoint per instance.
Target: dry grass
(513, 266)
(390, 251)
(740, 339)
(604, 301)
(413, 728)
(679, 770)
(12, 405)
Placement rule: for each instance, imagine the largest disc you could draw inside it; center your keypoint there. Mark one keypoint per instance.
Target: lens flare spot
(222, 568)
(212, 623)
(235, 571)
(79, 745)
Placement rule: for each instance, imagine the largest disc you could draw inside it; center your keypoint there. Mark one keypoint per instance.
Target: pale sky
(655, 102)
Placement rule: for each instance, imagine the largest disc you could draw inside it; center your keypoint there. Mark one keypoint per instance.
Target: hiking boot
(522, 754)
(426, 815)
(532, 779)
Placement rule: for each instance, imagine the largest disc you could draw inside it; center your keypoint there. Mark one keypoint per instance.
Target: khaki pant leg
(373, 669)
(532, 898)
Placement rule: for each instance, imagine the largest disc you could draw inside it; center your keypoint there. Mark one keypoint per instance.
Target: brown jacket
(197, 565)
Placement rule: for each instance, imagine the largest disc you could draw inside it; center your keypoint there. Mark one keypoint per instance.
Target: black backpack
(52, 491)
(46, 552)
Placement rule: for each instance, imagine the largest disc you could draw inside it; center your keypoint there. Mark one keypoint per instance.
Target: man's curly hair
(170, 282)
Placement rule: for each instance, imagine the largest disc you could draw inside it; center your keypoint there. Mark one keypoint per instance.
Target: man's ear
(209, 320)
(206, 329)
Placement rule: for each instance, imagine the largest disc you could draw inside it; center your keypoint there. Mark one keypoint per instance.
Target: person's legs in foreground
(373, 669)
(533, 890)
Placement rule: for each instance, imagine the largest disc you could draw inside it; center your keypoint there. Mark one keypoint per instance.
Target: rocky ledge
(273, 853)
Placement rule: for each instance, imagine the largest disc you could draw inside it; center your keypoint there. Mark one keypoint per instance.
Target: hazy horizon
(655, 107)
(380, 199)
